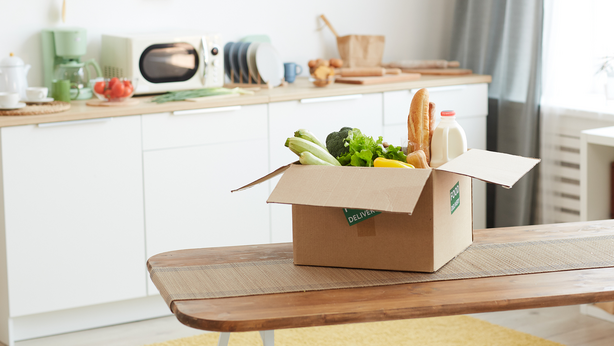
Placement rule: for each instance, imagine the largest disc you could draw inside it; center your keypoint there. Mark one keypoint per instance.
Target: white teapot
(13, 74)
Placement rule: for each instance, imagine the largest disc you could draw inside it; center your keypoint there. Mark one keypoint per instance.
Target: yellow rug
(436, 331)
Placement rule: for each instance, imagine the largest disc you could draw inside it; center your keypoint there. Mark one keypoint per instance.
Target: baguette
(418, 124)
(431, 122)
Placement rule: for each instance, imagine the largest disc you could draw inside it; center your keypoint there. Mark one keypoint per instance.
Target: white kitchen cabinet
(321, 116)
(188, 179)
(470, 102)
(73, 206)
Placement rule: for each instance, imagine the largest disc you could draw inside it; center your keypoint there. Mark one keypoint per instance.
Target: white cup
(36, 93)
(9, 100)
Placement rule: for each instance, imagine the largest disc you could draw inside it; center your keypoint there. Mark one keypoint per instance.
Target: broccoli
(335, 142)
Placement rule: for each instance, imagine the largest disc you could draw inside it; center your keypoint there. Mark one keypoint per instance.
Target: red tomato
(128, 90)
(112, 82)
(117, 90)
(99, 87)
(107, 93)
(127, 83)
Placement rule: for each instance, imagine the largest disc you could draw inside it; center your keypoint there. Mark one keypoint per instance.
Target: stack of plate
(246, 61)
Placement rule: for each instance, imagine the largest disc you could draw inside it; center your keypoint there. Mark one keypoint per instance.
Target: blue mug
(291, 70)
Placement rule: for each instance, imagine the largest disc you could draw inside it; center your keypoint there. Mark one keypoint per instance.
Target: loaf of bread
(418, 124)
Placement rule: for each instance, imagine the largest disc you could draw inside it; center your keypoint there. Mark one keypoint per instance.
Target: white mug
(9, 100)
(36, 93)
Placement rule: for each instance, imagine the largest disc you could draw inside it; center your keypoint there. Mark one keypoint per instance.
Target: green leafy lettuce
(363, 150)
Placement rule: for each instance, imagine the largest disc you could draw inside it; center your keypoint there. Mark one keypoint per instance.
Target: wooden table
(382, 303)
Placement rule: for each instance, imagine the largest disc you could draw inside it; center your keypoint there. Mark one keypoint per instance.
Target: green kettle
(79, 76)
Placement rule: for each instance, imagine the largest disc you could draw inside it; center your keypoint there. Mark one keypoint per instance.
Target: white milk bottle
(449, 140)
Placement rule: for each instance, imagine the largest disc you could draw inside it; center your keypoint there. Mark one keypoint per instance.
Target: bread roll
(418, 124)
(417, 159)
(336, 62)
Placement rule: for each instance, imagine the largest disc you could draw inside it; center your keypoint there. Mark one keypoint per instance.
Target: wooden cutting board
(439, 71)
(101, 103)
(403, 77)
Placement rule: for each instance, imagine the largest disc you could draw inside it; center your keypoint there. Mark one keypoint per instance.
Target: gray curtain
(503, 39)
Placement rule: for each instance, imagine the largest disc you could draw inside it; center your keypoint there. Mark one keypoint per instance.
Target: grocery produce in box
(350, 147)
(424, 142)
(382, 162)
(347, 147)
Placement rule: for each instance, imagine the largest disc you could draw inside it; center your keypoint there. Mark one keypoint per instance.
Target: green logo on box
(454, 198)
(354, 216)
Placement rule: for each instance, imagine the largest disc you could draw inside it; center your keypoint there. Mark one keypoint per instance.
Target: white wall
(414, 29)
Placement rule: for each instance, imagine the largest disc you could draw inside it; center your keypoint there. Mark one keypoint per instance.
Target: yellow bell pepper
(382, 162)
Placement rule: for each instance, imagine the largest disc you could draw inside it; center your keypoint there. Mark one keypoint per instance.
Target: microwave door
(204, 53)
(169, 62)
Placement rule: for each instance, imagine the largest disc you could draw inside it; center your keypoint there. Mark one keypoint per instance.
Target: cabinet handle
(207, 110)
(75, 122)
(442, 88)
(331, 98)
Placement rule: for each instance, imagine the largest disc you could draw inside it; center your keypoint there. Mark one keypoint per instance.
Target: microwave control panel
(214, 61)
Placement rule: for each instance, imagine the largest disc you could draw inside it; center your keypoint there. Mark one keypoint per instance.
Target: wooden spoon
(329, 25)
(64, 11)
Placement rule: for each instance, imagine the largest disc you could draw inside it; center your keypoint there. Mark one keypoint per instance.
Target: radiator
(559, 195)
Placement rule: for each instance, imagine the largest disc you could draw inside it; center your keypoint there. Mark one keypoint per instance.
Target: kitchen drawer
(466, 100)
(204, 126)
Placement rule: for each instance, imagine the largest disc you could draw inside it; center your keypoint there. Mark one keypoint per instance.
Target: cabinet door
(188, 203)
(73, 202)
(320, 116)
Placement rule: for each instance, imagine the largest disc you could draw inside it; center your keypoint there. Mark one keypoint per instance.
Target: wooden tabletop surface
(300, 89)
(430, 299)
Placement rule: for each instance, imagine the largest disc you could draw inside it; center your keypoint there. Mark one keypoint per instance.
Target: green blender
(62, 52)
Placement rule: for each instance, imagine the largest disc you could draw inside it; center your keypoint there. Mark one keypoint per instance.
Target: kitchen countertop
(300, 89)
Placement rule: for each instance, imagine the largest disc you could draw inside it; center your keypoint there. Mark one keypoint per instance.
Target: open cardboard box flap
(491, 167)
(385, 189)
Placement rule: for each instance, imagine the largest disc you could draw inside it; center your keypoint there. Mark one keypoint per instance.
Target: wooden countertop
(300, 89)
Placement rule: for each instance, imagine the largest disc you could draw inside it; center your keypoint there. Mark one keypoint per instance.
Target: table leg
(268, 337)
(223, 340)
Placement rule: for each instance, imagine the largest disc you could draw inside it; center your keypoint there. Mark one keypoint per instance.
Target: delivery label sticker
(354, 216)
(454, 198)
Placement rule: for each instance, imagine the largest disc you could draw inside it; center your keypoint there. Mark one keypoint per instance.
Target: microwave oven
(164, 62)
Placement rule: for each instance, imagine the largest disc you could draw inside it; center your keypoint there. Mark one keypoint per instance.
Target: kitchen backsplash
(414, 29)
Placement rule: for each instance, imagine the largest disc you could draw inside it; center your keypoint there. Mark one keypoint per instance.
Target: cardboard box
(425, 219)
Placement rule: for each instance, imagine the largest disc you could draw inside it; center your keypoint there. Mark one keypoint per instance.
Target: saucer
(45, 100)
(17, 106)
